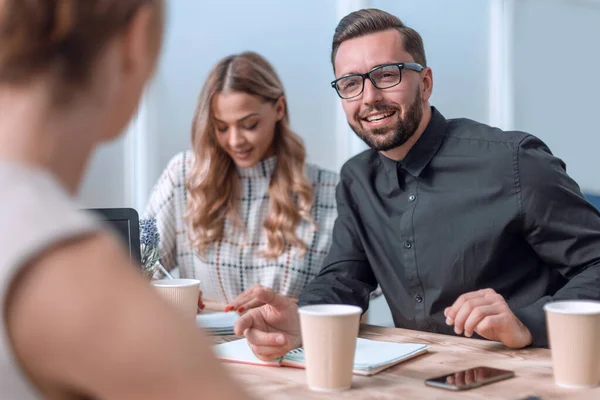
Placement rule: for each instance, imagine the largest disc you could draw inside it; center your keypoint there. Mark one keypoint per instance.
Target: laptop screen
(123, 228)
(125, 221)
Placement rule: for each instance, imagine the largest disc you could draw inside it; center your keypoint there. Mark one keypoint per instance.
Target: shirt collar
(263, 169)
(421, 154)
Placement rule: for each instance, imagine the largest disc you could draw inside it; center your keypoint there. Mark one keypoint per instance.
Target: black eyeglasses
(382, 77)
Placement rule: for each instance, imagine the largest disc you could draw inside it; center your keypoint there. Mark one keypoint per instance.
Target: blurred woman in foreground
(78, 320)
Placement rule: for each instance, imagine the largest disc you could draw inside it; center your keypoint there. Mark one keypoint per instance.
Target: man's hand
(272, 329)
(247, 301)
(486, 313)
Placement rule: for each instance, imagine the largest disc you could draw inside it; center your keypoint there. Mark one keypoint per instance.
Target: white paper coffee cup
(329, 333)
(574, 336)
(182, 294)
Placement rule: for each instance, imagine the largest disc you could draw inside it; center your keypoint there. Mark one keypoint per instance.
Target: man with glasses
(467, 229)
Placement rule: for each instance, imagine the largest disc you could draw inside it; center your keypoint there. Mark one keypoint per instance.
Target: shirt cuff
(534, 318)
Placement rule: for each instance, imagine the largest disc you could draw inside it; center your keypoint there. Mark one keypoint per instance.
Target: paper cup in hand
(181, 293)
(574, 335)
(329, 334)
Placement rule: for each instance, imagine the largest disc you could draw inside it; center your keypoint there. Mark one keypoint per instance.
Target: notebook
(217, 323)
(370, 358)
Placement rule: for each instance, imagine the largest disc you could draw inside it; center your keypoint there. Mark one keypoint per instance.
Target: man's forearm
(582, 286)
(342, 283)
(534, 319)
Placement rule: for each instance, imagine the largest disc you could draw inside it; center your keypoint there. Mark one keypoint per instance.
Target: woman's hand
(247, 301)
(200, 303)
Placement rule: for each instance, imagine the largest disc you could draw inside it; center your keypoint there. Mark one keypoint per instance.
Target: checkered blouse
(234, 264)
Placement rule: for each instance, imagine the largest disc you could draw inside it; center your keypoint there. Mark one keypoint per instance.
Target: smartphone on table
(470, 378)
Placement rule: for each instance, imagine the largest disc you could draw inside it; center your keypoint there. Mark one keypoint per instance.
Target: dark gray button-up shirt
(470, 207)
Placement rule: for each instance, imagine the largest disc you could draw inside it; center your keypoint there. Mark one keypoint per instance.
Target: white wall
(104, 182)
(455, 34)
(557, 81)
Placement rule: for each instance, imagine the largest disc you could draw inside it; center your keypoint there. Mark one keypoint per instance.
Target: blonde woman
(243, 208)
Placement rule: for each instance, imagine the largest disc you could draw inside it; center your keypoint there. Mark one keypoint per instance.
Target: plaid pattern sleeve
(165, 206)
(324, 213)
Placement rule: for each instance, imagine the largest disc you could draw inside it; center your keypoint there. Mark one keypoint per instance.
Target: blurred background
(529, 65)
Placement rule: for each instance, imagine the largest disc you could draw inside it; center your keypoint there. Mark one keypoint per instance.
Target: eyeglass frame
(411, 66)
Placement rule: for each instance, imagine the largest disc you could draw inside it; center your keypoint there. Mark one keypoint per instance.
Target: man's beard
(384, 139)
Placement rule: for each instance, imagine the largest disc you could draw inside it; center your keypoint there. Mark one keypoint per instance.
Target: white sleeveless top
(35, 214)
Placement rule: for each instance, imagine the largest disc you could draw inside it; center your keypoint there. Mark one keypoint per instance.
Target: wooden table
(533, 368)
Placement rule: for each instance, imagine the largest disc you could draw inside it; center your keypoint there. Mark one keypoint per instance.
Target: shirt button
(418, 298)
(408, 244)
(412, 197)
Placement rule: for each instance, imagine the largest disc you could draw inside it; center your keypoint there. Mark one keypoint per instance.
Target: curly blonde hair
(213, 182)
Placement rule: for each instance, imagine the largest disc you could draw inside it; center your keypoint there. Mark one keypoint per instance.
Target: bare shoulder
(63, 295)
(57, 283)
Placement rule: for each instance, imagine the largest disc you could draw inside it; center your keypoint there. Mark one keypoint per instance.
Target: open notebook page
(371, 356)
(239, 351)
(217, 320)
